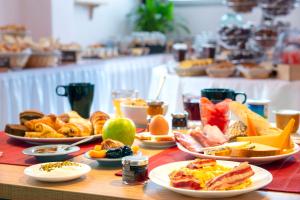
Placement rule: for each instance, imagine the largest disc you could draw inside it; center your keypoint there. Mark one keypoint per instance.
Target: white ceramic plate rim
(263, 159)
(102, 159)
(258, 181)
(49, 140)
(85, 169)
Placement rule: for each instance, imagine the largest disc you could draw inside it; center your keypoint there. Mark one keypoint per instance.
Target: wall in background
(70, 22)
(9, 11)
(73, 24)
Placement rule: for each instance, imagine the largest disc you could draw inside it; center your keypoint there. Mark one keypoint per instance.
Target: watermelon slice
(215, 114)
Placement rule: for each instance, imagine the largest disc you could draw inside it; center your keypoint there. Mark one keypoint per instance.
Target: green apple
(120, 129)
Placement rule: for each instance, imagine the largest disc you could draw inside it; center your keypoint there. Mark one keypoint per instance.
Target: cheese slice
(281, 141)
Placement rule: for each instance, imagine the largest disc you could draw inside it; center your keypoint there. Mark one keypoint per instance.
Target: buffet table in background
(282, 94)
(35, 88)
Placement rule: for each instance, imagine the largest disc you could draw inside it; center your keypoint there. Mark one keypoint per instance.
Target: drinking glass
(191, 104)
(119, 96)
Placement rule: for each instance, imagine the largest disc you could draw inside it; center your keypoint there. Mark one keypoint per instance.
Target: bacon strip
(181, 180)
(232, 178)
(200, 163)
(188, 142)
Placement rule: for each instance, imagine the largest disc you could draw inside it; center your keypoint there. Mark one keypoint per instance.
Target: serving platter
(159, 175)
(51, 140)
(253, 160)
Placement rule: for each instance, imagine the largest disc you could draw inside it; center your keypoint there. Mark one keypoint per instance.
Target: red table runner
(286, 173)
(12, 151)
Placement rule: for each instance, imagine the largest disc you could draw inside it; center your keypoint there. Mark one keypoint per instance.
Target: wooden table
(100, 183)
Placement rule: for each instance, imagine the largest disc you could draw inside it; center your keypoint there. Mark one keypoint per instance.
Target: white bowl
(138, 114)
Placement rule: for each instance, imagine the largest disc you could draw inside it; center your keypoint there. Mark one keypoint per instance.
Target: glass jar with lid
(155, 107)
(135, 170)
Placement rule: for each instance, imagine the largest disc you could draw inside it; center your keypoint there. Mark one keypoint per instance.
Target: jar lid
(155, 103)
(135, 160)
(179, 115)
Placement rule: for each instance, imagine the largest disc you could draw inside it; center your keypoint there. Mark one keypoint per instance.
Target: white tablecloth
(35, 88)
(282, 94)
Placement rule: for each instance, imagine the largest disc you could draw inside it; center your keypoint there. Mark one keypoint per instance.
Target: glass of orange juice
(119, 96)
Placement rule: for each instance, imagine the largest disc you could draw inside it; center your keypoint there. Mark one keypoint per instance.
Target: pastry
(28, 115)
(98, 119)
(75, 130)
(48, 120)
(16, 129)
(110, 144)
(47, 131)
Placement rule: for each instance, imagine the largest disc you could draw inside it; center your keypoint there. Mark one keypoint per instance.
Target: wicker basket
(217, 72)
(43, 59)
(18, 60)
(191, 71)
(255, 72)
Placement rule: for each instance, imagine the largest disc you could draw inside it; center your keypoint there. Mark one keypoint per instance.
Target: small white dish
(58, 174)
(60, 154)
(160, 176)
(156, 144)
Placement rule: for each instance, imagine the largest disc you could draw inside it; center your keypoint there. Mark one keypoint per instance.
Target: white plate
(50, 140)
(159, 175)
(155, 144)
(253, 160)
(52, 176)
(107, 162)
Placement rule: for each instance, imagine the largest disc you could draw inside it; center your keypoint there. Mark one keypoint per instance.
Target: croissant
(33, 134)
(98, 119)
(48, 120)
(75, 130)
(43, 131)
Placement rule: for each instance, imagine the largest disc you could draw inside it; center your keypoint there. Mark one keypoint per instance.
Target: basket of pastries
(15, 50)
(195, 67)
(14, 30)
(70, 53)
(254, 71)
(36, 125)
(221, 69)
(45, 53)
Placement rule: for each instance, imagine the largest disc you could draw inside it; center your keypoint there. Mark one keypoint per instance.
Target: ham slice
(200, 163)
(232, 178)
(210, 136)
(188, 142)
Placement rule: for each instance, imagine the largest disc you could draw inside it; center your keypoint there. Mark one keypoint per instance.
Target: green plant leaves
(157, 15)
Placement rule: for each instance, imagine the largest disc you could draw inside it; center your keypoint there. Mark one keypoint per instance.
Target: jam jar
(155, 107)
(179, 121)
(134, 170)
